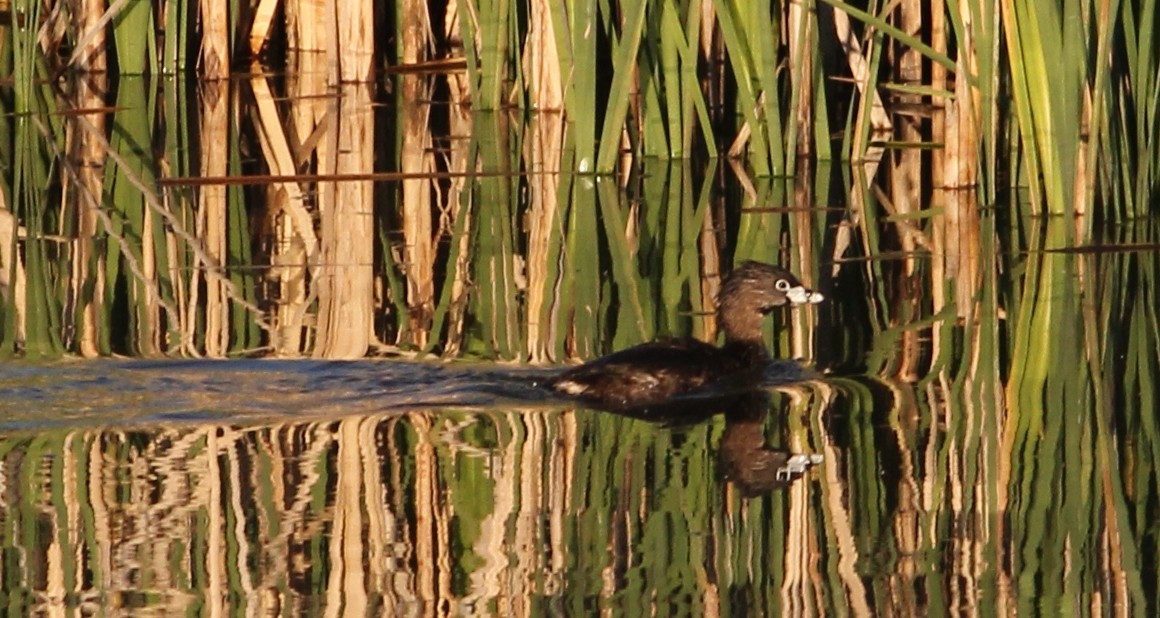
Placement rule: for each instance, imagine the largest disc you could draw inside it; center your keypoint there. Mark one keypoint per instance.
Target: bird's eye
(782, 285)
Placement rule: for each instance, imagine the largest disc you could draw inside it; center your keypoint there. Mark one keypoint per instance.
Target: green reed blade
(758, 231)
(983, 17)
(733, 33)
(582, 73)
(634, 322)
(1142, 95)
(394, 284)
(27, 65)
(177, 30)
(31, 206)
(239, 262)
(1107, 444)
(690, 82)
(690, 244)
(872, 243)
(585, 291)
(43, 309)
(558, 294)
(683, 90)
(465, 215)
(822, 133)
(678, 105)
(646, 229)
(1023, 110)
(497, 316)
(133, 30)
(677, 202)
(493, 33)
(655, 132)
(131, 140)
(624, 55)
(763, 46)
(1052, 91)
(864, 129)
(883, 26)
(473, 44)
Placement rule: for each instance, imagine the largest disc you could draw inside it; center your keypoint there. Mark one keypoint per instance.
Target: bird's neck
(749, 351)
(741, 328)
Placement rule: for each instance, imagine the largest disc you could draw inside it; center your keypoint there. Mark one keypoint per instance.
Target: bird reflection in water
(746, 460)
(754, 466)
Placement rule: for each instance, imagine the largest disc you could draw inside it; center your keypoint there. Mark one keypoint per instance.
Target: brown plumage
(654, 372)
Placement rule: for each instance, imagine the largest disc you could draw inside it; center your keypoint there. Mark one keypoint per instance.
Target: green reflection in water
(488, 510)
(916, 508)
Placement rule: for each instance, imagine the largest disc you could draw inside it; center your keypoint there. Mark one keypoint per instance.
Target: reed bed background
(969, 183)
(936, 113)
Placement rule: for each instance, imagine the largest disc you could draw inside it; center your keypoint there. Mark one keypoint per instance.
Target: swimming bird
(652, 373)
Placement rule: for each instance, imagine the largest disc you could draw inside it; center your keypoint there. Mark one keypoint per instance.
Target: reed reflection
(480, 511)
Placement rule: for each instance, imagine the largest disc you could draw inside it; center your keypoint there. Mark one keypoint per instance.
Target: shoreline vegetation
(521, 134)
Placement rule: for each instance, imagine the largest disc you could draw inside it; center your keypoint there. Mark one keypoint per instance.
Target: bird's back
(647, 373)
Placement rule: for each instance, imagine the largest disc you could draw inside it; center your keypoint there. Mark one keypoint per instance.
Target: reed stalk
(305, 27)
(545, 154)
(133, 29)
(212, 212)
(346, 251)
(576, 35)
(353, 41)
(543, 58)
(215, 61)
(494, 263)
(295, 252)
(92, 54)
(415, 158)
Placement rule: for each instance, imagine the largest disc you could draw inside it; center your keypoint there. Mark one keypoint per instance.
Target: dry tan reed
(89, 155)
(345, 269)
(212, 216)
(13, 283)
(215, 63)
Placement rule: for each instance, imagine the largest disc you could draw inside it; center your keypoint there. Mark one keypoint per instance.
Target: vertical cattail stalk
(212, 212)
(354, 47)
(415, 158)
(215, 129)
(544, 153)
(344, 278)
(296, 245)
(215, 39)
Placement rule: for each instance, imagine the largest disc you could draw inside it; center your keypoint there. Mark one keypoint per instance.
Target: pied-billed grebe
(654, 372)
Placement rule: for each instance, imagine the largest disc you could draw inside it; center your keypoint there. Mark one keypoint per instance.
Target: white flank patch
(569, 387)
